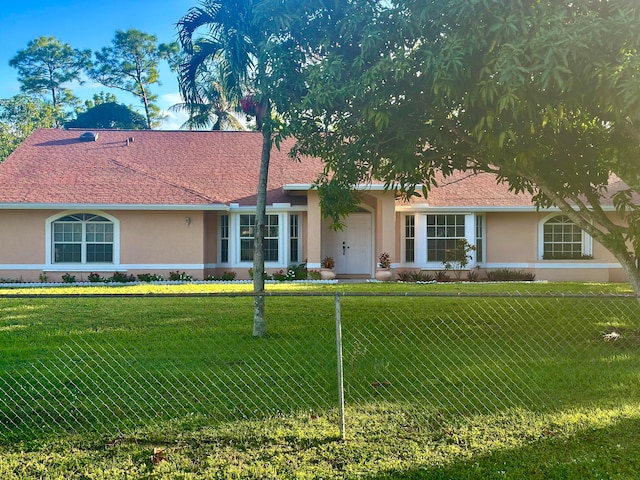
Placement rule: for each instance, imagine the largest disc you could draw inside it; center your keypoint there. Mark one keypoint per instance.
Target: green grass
(499, 387)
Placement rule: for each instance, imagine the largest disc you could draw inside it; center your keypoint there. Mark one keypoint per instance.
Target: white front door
(352, 246)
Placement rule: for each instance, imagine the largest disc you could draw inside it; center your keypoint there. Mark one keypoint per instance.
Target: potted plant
(326, 272)
(384, 272)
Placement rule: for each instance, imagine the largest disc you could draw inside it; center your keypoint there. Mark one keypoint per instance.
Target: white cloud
(173, 120)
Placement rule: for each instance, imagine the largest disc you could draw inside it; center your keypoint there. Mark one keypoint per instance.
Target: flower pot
(327, 274)
(384, 275)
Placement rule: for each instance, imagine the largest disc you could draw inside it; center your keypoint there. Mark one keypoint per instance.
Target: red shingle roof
(159, 167)
(156, 168)
(465, 189)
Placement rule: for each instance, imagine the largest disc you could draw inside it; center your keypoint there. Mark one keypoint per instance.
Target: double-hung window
(479, 238)
(294, 238)
(443, 234)
(410, 238)
(224, 238)
(271, 237)
(83, 238)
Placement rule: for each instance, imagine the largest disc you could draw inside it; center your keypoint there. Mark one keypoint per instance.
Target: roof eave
(112, 206)
(425, 207)
(375, 187)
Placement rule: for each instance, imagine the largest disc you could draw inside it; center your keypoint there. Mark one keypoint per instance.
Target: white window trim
(484, 238)
(80, 267)
(469, 235)
(299, 238)
(403, 246)
(587, 240)
(283, 239)
(229, 235)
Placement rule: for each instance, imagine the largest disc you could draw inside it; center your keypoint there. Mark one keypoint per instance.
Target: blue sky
(89, 25)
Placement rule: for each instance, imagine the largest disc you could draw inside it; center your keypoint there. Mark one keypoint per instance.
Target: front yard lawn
(443, 386)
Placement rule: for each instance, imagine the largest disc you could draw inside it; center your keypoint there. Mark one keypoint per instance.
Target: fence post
(340, 372)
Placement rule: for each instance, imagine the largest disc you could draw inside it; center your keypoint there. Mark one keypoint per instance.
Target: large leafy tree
(109, 115)
(46, 65)
(545, 94)
(20, 116)
(131, 64)
(260, 46)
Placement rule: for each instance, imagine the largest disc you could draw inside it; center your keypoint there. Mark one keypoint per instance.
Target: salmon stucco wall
(511, 237)
(161, 237)
(210, 238)
(22, 236)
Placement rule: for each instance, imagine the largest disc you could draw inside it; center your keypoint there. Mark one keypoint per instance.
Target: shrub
(473, 275)
(119, 277)
(10, 280)
(294, 272)
(94, 278)
(150, 277)
(68, 278)
(441, 276)
(280, 276)
(266, 275)
(43, 277)
(458, 258)
(416, 276)
(422, 277)
(180, 277)
(299, 272)
(228, 276)
(508, 275)
(405, 276)
(314, 275)
(225, 277)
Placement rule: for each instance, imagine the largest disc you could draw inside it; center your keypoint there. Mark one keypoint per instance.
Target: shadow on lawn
(608, 452)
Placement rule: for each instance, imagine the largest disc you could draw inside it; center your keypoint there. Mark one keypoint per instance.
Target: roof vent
(89, 137)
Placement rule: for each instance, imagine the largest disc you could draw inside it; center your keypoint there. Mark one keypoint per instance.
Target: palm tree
(238, 35)
(214, 110)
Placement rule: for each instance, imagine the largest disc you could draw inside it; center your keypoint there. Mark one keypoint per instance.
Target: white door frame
(335, 245)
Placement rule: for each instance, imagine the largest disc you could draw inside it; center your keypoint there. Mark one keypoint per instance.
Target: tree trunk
(145, 101)
(634, 276)
(259, 323)
(614, 241)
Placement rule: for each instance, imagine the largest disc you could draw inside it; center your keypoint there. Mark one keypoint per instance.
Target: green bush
(441, 276)
(417, 276)
(150, 277)
(404, 276)
(314, 275)
(68, 278)
(508, 275)
(94, 278)
(225, 277)
(180, 277)
(473, 275)
(119, 277)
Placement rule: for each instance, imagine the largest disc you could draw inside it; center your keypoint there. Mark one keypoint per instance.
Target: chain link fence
(429, 357)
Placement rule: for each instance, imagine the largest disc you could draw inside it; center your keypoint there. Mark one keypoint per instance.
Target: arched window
(82, 238)
(564, 240)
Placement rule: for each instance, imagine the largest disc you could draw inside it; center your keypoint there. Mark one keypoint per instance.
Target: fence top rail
(323, 294)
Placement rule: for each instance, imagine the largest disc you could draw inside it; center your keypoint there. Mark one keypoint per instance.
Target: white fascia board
(376, 187)
(115, 206)
(426, 208)
(298, 187)
(269, 208)
(554, 265)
